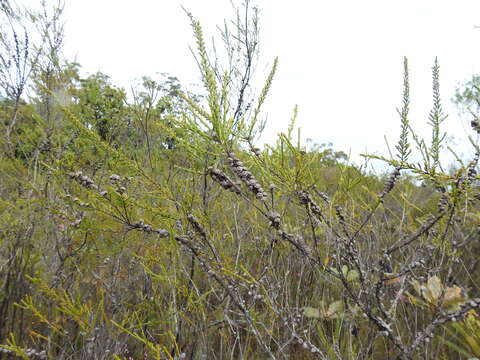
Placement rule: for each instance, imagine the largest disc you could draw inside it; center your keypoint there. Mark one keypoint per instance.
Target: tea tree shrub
(157, 228)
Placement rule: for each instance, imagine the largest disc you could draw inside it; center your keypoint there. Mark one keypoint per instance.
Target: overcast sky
(341, 61)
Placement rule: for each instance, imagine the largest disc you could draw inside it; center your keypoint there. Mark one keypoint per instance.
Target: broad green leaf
(310, 312)
(333, 310)
(352, 275)
(434, 289)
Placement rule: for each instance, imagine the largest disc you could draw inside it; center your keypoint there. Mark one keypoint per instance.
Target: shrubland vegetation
(154, 226)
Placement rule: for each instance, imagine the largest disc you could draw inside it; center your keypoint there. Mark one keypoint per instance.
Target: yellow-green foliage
(158, 229)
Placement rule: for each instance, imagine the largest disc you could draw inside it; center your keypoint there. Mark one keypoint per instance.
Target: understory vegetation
(154, 226)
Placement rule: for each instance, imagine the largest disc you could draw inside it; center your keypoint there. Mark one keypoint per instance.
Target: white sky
(341, 61)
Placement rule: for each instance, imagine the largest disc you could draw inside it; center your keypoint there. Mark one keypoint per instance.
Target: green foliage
(101, 106)
(436, 117)
(403, 146)
(467, 95)
(463, 336)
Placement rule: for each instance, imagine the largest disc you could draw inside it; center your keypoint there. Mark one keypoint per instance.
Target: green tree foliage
(467, 94)
(467, 98)
(101, 106)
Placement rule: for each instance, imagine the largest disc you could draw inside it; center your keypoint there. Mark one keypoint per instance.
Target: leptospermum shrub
(186, 240)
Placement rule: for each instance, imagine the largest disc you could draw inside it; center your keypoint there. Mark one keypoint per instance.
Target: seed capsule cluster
(339, 213)
(443, 202)
(306, 344)
(76, 224)
(454, 316)
(218, 176)
(475, 125)
(472, 168)
(86, 182)
(306, 199)
(275, 220)
(117, 181)
(31, 353)
(142, 226)
(246, 176)
(390, 183)
(83, 180)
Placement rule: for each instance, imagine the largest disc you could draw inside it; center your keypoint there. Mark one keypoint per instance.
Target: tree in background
(27, 39)
(467, 98)
(101, 106)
